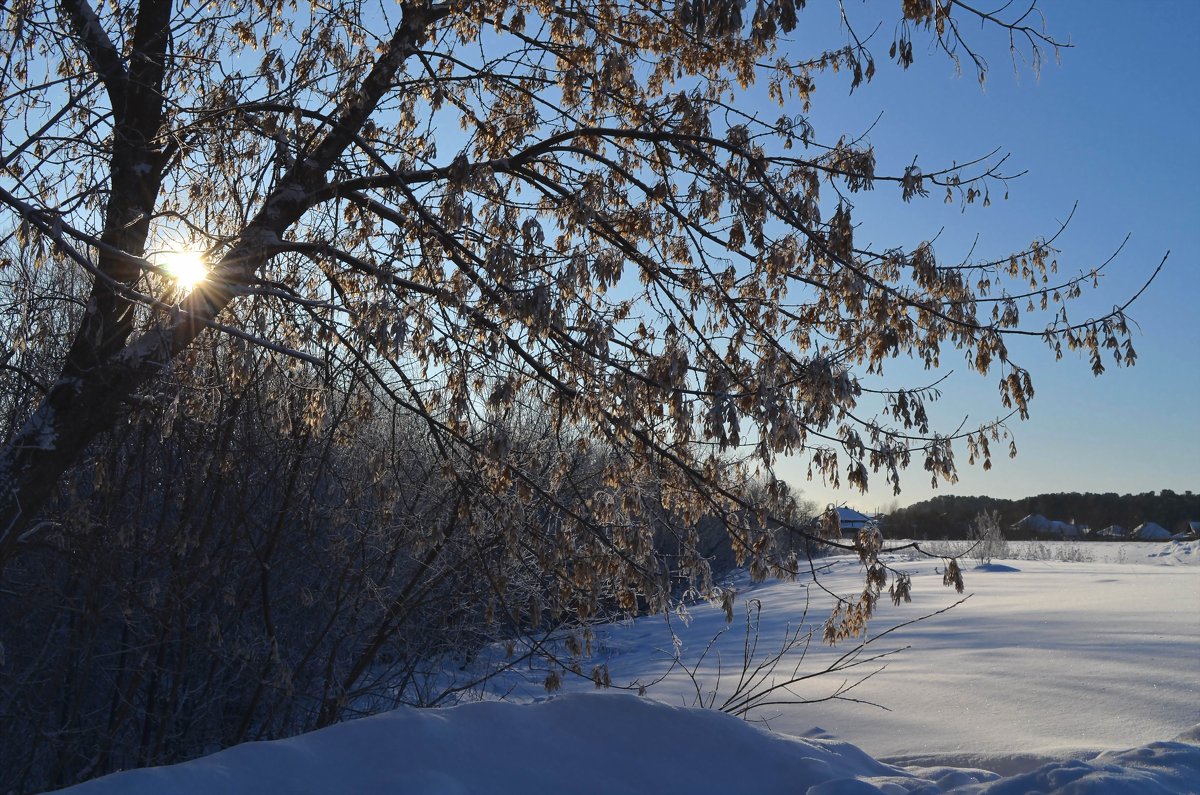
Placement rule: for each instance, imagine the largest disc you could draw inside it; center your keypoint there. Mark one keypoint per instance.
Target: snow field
(1053, 676)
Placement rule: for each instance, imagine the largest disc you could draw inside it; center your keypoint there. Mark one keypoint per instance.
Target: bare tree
(225, 571)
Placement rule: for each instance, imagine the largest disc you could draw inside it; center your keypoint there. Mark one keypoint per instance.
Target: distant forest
(949, 516)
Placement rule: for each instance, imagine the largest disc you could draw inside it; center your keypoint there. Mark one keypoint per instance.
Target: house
(852, 521)
(1113, 532)
(1149, 531)
(1037, 525)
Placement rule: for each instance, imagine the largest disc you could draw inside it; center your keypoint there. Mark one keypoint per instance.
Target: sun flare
(186, 268)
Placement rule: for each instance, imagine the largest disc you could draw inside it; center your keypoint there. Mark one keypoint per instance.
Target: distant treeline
(949, 516)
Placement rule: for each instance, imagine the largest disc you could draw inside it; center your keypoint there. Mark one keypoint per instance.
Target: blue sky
(1112, 127)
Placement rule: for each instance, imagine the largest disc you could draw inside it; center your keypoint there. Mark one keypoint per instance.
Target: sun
(186, 268)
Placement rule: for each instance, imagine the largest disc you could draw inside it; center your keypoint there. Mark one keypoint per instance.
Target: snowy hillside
(1052, 676)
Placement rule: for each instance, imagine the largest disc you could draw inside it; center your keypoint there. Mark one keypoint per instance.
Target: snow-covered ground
(1055, 675)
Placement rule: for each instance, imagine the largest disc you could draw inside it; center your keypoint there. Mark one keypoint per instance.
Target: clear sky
(1112, 127)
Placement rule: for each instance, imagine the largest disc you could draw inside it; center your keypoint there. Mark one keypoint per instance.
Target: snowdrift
(611, 744)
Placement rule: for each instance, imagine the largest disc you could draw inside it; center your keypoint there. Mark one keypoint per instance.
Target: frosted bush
(989, 540)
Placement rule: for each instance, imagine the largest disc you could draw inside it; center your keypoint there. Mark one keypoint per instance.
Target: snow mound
(1177, 552)
(581, 743)
(610, 743)
(997, 567)
(1167, 767)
